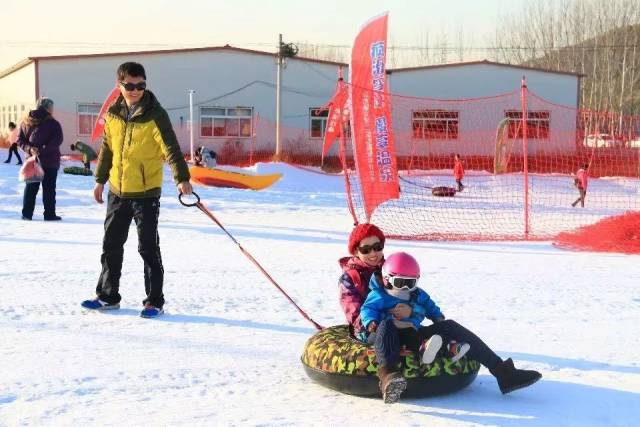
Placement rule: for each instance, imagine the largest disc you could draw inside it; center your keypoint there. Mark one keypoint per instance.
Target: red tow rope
(208, 213)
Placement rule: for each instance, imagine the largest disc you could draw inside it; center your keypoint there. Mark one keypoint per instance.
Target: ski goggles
(402, 283)
(130, 87)
(366, 249)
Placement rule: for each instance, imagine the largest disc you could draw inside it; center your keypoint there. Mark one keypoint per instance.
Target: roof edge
(485, 62)
(20, 65)
(27, 61)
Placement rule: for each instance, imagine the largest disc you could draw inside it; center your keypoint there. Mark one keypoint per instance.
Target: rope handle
(189, 205)
(208, 213)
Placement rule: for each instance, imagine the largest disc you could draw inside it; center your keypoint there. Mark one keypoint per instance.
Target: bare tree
(596, 38)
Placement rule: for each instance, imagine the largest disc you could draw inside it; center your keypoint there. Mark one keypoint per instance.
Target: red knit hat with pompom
(362, 231)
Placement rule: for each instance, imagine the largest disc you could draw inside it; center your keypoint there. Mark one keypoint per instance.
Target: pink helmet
(401, 264)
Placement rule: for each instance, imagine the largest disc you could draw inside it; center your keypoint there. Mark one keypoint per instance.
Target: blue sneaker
(97, 304)
(150, 311)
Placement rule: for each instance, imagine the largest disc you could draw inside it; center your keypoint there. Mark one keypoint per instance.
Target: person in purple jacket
(41, 135)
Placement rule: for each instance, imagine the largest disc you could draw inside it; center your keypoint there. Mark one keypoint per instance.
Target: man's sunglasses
(404, 283)
(130, 87)
(364, 250)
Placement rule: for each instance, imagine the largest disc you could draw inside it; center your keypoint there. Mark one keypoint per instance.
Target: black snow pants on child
(388, 340)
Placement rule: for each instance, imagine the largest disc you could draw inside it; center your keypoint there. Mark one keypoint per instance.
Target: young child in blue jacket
(398, 284)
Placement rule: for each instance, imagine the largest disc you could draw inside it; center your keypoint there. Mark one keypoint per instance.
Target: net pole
(525, 157)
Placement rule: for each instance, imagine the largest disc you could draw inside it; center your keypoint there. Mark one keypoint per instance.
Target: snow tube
(77, 170)
(336, 360)
(443, 191)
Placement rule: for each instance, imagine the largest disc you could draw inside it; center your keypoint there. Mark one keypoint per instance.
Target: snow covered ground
(227, 352)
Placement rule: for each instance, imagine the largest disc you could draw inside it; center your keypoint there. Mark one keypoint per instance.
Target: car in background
(602, 140)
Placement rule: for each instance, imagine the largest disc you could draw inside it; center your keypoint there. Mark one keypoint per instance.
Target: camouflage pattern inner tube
(77, 170)
(443, 191)
(334, 359)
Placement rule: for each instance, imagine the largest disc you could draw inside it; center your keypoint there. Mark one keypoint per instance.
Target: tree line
(599, 39)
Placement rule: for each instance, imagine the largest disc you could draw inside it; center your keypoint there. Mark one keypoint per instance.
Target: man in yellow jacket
(138, 137)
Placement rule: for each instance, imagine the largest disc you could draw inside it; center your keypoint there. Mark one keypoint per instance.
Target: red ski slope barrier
(614, 234)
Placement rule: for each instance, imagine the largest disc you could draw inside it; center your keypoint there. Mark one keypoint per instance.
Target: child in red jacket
(458, 171)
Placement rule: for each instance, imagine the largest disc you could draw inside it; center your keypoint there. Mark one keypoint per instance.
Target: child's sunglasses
(366, 249)
(402, 283)
(130, 87)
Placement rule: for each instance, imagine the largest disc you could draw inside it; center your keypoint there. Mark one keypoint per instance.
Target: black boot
(510, 379)
(392, 384)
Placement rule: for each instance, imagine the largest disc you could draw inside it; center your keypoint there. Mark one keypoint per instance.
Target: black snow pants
(120, 212)
(388, 340)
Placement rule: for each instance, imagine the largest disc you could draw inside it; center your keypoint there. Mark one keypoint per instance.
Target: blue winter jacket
(378, 303)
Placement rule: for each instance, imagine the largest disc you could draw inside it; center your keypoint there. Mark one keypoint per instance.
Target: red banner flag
(336, 120)
(99, 126)
(371, 116)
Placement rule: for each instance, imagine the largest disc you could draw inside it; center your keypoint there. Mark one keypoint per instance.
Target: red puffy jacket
(354, 287)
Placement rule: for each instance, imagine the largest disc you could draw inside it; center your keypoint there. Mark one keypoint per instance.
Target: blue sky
(35, 27)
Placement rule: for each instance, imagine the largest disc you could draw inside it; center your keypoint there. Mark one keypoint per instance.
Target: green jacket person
(88, 153)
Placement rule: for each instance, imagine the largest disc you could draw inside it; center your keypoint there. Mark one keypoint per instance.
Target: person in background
(458, 171)
(88, 153)
(205, 157)
(14, 133)
(41, 135)
(581, 181)
(137, 121)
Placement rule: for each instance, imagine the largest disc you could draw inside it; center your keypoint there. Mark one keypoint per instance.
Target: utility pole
(191, 92)
(288, 50)
(278, 89)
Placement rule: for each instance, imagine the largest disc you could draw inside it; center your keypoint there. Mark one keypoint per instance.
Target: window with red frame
(318, 119)
(537, 124)
(87, 116)
(226, 122)
(435, 124)
(317, 122)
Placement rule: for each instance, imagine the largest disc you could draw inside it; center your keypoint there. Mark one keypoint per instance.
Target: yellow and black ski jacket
(134, 150)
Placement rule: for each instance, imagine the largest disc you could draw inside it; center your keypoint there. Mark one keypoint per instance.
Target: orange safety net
(500, 200)
(620, 233)
(513, 188)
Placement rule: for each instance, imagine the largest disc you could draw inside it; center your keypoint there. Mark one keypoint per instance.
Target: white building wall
(17, 95)
(222, 78)
(235, 78)
(478, 119)
(467, 81)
